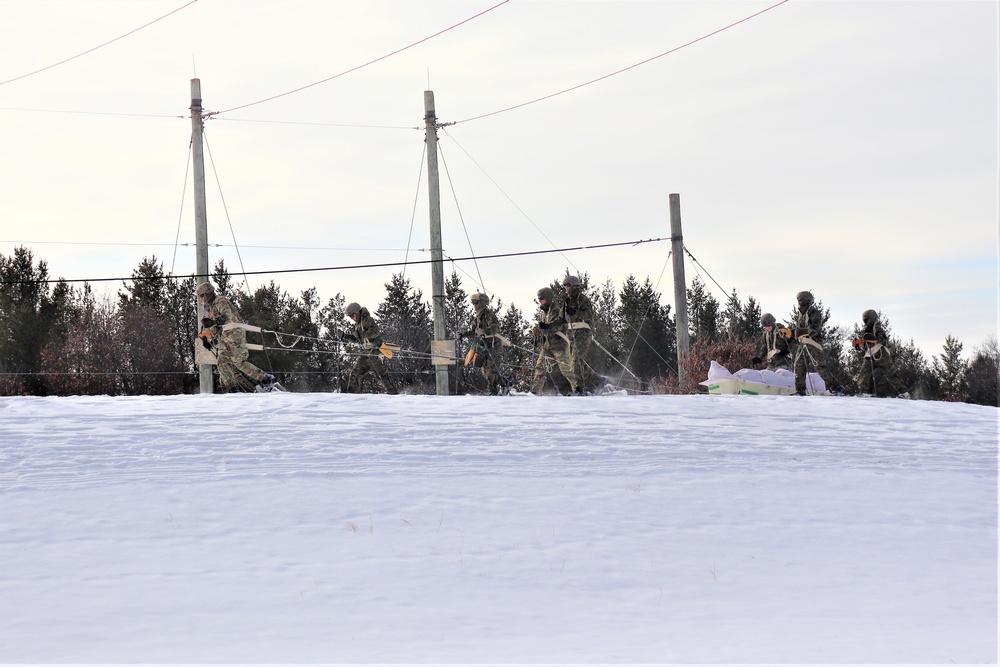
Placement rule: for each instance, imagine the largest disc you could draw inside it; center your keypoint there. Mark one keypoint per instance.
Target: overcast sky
(849, 148)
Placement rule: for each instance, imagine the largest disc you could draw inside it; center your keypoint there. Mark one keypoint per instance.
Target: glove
(207, 323)
(870, 338)
(206, 339)
(755, 361)
(858, 343)
(783, 353)
(543, 325)
(802, 332)
(570, 310)
(377, 342)
(785, 333)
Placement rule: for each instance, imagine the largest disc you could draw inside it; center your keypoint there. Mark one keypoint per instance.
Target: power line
(348, 125)
(370, 62)
(92, 113)
(210, 245)
(470, 258)
(16, 78)
(624, 69)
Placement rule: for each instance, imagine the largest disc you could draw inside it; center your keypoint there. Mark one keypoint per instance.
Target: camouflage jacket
(881, 344)
(773, 344)
(484, 327)
(552, 329)
(811, 320)
(577, 311)
(366, 330)
(222, 310)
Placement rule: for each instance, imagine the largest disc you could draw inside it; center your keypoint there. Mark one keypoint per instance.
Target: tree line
(60, 339)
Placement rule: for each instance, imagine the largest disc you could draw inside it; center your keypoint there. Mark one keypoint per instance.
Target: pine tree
(519, 358)
(148, 288)
(606, 329)
(28, 315)
(949, 370)
(648, 336)
(405, 319)
(742, 322)
(332, 325)
(704, 318)
(983, 374)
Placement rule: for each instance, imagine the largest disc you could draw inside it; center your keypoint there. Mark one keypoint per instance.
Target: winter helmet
(480, 297)
(805, 297)
(204, 288)
(869, 317)
(546, 293)
(767, 320)
(352, 309)
(571, 281)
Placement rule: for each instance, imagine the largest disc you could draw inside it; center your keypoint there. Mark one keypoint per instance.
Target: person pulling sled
(220, 331)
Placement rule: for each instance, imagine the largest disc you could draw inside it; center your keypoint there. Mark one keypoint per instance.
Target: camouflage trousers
(878, 378)
(579, 357)
(235, 369)
(808, 359)
(491, 370)
(369, 361)
(546, 364)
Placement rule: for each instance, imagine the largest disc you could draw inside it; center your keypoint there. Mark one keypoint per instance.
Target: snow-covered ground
(304, 528)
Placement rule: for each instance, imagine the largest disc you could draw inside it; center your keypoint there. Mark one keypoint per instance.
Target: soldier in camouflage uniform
(876, 376)
(367, 335)
(236, 373)
(578, 312)
(807, 334)
(774, 349)
(553, 345)
(484, 331)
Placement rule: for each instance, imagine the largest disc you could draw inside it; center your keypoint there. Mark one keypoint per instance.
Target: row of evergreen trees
(56, 338)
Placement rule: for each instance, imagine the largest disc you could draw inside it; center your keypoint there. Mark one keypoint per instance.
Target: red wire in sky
(624, 69)
(370, 62)
(98, 46)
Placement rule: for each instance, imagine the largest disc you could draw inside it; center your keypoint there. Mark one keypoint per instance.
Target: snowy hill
(370, 529)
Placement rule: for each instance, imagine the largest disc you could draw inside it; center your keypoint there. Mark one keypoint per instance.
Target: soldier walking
(808, 336)
(774, 348)
(366, 334)
(486, 344)
(578, 313)
(236, 373)
(876, 376)
(553, 346)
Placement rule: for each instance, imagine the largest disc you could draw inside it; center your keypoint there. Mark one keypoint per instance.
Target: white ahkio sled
(759, 383)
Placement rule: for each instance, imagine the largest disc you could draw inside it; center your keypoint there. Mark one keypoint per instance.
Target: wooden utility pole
(680, 286)
(437, 253)
(200, 214)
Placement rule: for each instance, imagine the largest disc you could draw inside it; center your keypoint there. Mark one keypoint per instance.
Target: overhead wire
(416, 198)
(99, 46)
(699, 264)
(93, 113)
(212, 245)
(509, 198)
(458, 208)
(180, 215)
(525, 253)
(622, 70)
(370, 62)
